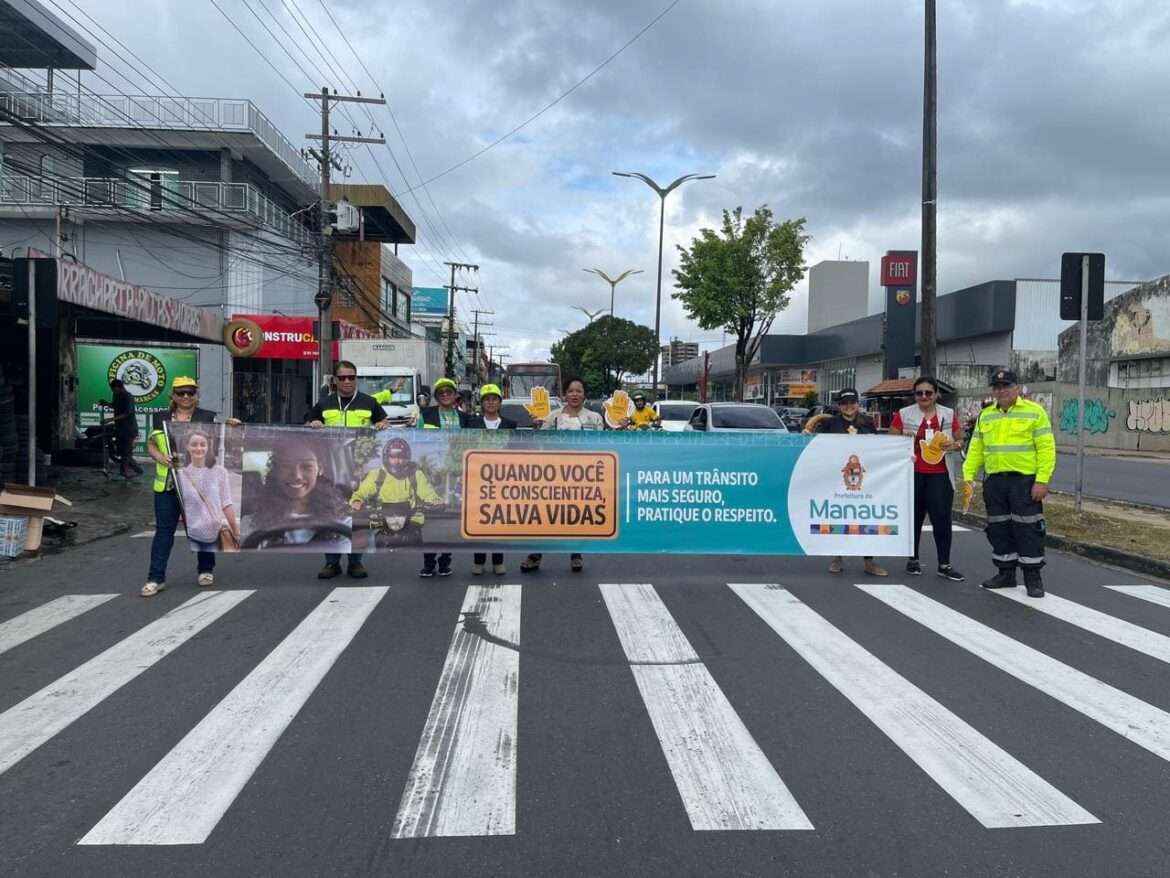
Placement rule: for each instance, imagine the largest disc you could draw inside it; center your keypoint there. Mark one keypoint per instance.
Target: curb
(1104, 554)
(59, 549)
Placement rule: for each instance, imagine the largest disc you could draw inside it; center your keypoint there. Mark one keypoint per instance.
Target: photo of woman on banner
(205, 491)
(393, 497)
(295, 489)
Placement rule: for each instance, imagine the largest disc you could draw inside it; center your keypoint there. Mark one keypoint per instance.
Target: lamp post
(662, 193)
(592, 315)
(613, 281)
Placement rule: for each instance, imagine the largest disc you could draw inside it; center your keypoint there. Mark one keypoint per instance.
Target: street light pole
(613, 281)
(662, 193)
(929, 192)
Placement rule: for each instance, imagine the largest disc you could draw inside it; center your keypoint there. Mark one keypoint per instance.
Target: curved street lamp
(662, 191)
(592, 315)
(613, 281)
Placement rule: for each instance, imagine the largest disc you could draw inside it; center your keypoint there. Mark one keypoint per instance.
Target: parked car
(792, 416)
(674, 413)
(744, 417)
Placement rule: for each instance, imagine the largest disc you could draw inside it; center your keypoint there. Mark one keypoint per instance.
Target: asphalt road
(1136, 480)
(277, 726)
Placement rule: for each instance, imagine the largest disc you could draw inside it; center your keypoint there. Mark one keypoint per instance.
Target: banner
(304, 490)
(146, 372)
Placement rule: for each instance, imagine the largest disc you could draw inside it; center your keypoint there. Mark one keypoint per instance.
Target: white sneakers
(499, 570)
(477, 570)
(206, 579)
(152, 588)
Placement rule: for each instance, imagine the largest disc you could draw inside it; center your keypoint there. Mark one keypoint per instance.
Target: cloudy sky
(1052, 131)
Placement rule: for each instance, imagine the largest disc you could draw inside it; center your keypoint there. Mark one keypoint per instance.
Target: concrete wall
(837, 293)
(1124, 420)
(1136, 325)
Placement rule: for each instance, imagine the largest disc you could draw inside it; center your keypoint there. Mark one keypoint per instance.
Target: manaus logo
(853, 473)
(143, 374)
(902, 297)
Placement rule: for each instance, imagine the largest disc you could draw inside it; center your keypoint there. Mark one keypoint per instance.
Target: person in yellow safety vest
(1013, 442)
(399, 489)
(443, 416)
(347, 407)
(644, 415)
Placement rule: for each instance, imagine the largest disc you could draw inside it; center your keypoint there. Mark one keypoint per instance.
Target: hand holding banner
(539, 408)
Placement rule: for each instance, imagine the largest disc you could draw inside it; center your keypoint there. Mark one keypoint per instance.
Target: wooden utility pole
(475, 335)
(327, 162)
(452, 289)
(929, 192)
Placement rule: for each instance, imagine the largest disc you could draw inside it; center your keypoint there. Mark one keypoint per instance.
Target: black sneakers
(1003, 579)
(444, 569)
(329, 571)
(949, 572)
(427, 572)
(914, 567)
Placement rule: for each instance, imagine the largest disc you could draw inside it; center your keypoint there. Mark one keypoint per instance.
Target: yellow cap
(489, 390)
(184, 381)
(444, 382)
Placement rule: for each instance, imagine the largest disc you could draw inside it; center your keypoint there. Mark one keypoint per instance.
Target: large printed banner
(304, 490)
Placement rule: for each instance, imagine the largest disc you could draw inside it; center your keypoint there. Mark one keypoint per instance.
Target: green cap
(444, 382)
(490, 390)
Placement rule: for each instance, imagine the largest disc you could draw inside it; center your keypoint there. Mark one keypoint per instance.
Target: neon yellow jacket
(415, 490)
(1019, 440)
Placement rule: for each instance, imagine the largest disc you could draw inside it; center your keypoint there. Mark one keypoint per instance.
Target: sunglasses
(925, 393)
(185, 393)
(346, 377)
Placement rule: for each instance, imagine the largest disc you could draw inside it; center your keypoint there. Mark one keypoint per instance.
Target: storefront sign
(291, 338)
(899, 269)
(303, 490)
(148, 374)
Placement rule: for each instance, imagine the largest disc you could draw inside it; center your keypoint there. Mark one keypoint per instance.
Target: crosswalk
(462, 780)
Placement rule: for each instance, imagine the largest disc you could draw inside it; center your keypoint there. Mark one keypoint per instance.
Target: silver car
(742, 417)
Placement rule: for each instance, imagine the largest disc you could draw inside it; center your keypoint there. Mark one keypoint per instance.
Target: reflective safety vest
(410, 493)
(358, 413)
(163, 481)
(643, 416)
(1019, 440)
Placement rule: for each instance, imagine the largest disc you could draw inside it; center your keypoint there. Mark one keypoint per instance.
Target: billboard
(429, 301)
(148, 374)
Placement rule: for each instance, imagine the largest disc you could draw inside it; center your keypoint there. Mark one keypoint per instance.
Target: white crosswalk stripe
(1102, 624)
(27, 725)
(724, 778)
(995, 788)
(181, 800)
(1130, 717)
(44, 618)
(1151, 593)
(463, 780)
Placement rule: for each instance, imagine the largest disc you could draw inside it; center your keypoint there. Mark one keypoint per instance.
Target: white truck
(403, 366)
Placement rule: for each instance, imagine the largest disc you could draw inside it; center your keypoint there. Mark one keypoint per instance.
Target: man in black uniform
(850, 419)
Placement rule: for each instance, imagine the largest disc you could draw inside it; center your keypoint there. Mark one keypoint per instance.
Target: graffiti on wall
(1097, 415)
(1149, 416)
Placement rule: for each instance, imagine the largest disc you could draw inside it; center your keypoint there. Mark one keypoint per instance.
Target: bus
(520, 378)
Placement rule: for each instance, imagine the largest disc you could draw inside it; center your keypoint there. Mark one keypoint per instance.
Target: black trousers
(934, 495)
(1015, 522)
(429, 560)
(481, 558)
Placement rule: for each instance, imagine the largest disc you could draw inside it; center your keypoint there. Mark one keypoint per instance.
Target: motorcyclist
(644, 417)
(400, 491)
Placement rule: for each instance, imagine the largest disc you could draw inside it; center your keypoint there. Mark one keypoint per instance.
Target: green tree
(605, 351)
(810, 399)
(738, 279)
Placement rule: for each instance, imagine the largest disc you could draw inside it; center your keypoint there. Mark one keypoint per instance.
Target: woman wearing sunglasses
(184, 408)
(934, 490)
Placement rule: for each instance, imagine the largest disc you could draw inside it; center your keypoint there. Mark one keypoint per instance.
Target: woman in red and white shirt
(934, 490)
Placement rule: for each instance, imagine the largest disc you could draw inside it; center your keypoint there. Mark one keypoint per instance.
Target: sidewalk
(1162, 456)
(101, 507)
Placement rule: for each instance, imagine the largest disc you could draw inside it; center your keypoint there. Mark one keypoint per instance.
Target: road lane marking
(463, 778)
(1151, 593)
(956, 528)
(32, 722)
(1142, 723)
(725, 780)
(1094, 621)
(994, 787)
(181, 800)
(37, 621)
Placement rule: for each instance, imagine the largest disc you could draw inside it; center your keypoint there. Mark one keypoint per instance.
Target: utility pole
(455, 266)
(475, 335)
(327, 161)
(929, 192)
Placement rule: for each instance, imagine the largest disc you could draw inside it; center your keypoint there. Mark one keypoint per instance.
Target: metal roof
(32, 38)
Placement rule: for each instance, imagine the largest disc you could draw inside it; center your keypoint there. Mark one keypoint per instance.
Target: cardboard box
(33, 502)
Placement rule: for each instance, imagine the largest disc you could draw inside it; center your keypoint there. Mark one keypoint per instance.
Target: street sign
(1071, 284)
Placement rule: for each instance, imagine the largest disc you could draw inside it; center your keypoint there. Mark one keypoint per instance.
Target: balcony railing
(153, 111)
(211, 198)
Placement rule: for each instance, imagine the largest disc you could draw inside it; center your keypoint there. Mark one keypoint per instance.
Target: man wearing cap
(490, 400)
(850, 420)
(347, 407)
(1013, 442)
(443, 416)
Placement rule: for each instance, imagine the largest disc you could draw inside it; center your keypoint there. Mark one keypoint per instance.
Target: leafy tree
(739, 278)
(810, 399)
(605, 351)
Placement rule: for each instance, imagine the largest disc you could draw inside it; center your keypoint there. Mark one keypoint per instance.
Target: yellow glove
(539, 407)
(968, 495)
(933, 451)
(617, 407)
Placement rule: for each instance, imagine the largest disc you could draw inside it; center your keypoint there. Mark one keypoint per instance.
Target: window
(389, 298)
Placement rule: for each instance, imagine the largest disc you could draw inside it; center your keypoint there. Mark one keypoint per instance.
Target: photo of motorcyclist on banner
(390, 504)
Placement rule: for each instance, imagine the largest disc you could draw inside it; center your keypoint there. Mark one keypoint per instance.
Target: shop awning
(902, 387)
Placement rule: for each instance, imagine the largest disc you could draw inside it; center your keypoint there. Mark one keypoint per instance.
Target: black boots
(1006, 578)
(1033, 583)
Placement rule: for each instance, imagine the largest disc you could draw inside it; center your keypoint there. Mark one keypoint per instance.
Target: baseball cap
(490, 390)
(184, 381)
(444, 382)
(849, 394)
(1003, 376)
